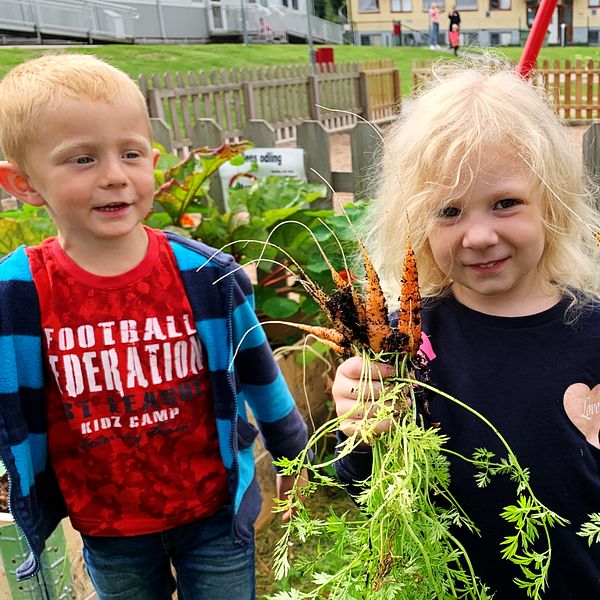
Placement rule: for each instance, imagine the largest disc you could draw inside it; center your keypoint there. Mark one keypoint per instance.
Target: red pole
(536, 36)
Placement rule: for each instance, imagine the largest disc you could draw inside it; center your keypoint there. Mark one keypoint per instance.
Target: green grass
(148, 59)
(553, 53)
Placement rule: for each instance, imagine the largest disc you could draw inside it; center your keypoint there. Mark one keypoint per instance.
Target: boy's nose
(113, 174)
(479, 233)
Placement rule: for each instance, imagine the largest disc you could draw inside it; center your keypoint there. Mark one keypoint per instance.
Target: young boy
(118, 404)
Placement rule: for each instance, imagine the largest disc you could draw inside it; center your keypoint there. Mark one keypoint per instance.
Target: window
(403, 5)
(295, 4)
(466, 5)
(594, 3)
(368, 5)
(427, 5)
(284, 3)
(499, 4)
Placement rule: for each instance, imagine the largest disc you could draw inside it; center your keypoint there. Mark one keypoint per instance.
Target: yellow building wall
(515, 18)
(584, 16)
(417, 19)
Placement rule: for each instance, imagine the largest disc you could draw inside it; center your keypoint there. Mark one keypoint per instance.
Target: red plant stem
(275, 275)
(535, 39)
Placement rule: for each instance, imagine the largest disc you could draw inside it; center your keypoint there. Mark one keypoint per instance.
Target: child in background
(434, 26)
(119, 406)
(479, 171)
(454, 37)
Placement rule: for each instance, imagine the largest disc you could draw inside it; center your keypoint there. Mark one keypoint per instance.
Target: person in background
(454, 36)
(454, 18)
(434, 26)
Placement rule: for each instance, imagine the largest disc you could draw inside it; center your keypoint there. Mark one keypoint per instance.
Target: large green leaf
(187, 181)
(28, 225)
(280, 308)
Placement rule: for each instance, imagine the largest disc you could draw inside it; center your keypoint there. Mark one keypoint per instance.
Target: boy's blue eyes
(86, 160)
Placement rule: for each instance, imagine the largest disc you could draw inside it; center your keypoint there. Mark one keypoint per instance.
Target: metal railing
(321, 29)
(228, 19)
(73, 18)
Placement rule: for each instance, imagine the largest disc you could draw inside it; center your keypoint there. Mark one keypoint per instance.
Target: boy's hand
(345, 392)
(284, 484)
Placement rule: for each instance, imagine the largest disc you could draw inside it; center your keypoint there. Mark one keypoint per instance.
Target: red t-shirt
(132, 431)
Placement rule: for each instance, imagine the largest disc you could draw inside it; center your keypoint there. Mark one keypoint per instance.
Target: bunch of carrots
(402, 547)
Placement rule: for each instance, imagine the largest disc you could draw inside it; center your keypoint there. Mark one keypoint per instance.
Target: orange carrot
(409, 321)
(378, 329)
(330, 337)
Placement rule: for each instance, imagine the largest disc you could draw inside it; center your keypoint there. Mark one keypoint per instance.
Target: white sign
(286, 162)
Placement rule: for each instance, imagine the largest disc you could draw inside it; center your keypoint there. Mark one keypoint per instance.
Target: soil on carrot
(321, 504)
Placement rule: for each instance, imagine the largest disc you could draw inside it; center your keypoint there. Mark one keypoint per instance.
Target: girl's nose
(479, 233)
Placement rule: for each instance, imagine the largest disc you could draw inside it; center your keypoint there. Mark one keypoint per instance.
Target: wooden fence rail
(283, 96)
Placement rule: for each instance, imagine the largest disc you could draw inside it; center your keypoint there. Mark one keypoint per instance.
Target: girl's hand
(347, 387)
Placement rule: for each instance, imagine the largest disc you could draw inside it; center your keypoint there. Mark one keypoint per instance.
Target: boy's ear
(156, 153)
(16, 183)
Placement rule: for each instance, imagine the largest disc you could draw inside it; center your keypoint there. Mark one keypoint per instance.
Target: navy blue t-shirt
(515, 371)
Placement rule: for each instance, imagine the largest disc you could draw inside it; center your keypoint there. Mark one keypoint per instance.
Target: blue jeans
(209, 566)
(435, 34)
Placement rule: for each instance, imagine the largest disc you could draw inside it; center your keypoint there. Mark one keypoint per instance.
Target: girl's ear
(156, 153)
(16, 183)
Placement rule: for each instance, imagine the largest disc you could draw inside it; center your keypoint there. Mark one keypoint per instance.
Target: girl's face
(490, 241)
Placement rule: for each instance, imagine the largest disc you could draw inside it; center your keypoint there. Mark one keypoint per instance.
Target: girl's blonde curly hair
(432, 152)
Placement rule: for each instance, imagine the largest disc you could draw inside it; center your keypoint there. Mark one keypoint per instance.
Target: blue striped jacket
(225, 319)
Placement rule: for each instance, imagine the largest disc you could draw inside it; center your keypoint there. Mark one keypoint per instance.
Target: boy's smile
(490, 241)
(92, 166)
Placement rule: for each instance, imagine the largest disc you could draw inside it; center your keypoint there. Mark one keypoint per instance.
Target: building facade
(483, 22)
(163, 21)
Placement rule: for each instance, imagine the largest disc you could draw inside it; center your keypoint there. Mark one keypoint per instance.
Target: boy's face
(92, 166)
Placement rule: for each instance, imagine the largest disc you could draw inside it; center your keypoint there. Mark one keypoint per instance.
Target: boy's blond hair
(33, 87)
(432, 153)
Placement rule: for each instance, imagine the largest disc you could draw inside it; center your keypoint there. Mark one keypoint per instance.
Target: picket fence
(283, 96)
(574, 86)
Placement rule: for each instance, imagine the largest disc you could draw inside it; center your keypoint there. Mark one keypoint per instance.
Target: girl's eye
(131, 154)
(449, 212)
(506, 203)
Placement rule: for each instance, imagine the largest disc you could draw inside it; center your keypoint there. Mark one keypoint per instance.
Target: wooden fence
(573, 86)
(283, 96)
